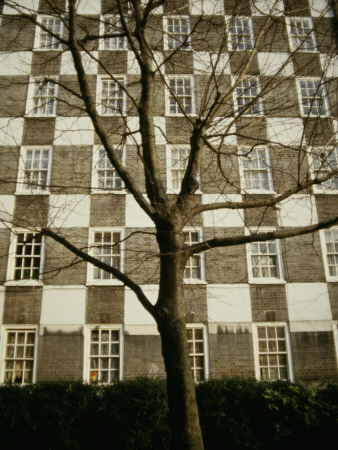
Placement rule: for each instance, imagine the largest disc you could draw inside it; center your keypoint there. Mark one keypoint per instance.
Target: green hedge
(235, 414)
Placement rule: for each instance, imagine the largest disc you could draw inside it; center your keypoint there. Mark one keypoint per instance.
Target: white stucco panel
(88, 7)
(308, 301)
(63, 305)
(284, 131)
(160, 130)
(267, 7)
(321, 8)
(133, 126)
(11, 131)
(222, 131)
(21, 6)
(2, 301)
(297, 211)
(134, 313)
(275, 63)
(205, 62)
(329, 65)
(15, 63)
(69, 211)
(222, 217)
(135, 216)
(6, 210)
(229, 303)
(208, 7)
(73, 131)
(89, 64)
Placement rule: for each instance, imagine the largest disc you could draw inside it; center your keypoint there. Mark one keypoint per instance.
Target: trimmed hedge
(235, 414)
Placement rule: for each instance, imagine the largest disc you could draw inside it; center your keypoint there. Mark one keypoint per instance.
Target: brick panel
(196, 303)
(22, 305)
(268, 303)
(39, 131)
(9, 160)
(31, 211)
(333, 296)
(4, 247)
(105, 304)
(13, 95)
(142, 357)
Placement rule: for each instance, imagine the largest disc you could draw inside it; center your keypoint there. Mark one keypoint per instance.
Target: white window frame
(91, 280)
(254, 104)
(323, 240)
(12, 257)
(114, 43)
(17, 329)
(246, 154)
(171, 167)
(329, 161)
(119, 80)
(87, 353)
(287, 351)
(169, 96)
(200, 256)
(170, 38)
(323, 97)
(195, 354)
(233, 46)
(297, 43)
(95, 171)
(24, 185)
(55, 44)
(34, 111)
(278, 254)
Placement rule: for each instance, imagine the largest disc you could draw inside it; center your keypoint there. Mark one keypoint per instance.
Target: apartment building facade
(267, 309)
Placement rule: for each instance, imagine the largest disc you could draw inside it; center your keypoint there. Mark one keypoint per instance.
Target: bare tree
(217, 75)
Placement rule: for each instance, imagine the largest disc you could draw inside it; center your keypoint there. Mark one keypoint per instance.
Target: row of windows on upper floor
(180, 97)
(178, 33)
(264, 259)
(104, 350)
(255, 170)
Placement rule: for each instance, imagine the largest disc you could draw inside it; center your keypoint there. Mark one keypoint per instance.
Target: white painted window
(325, 162)
(47, 33)
(105, 177)
(106, 246)
(313, 98)
(181, 95)
(329, 239)
(301, 34)
(256, 170)
(265, 261)
(42, 98)
(103, 361)
(198, 351)
(248, 101)
(112, 98)
(26, 251)
(272, 351)
(194, 269)
(34, 170)
(241, 35)
(18, 355)
(178, 33)
(178, 162)
(111, 25)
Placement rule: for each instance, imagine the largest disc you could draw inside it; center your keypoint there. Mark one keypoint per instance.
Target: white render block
(133, 125)
(69, 211)
(73, 131)
(22, 7)
(272, 63)
(89, 63)
(64, 305)
(2, 301)
(88, 7)
(222, 131)
(17, 63)
(134, 312)
(11, 131)
(267, 7)
(222, 217)
(205, 63)
(329, 65)
(298, 211)
(284, 131)
(208, 7)
(135, 216)
(133, 67)
(229, 303)
(160, 130)
(308, 301)
(321, 8)
(6, 210)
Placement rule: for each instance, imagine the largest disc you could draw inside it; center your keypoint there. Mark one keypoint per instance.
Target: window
(50, 28)
(194, 267)
(104, 355)
(301, 34)
(178, 29)
(181, 96)
(18, 360)
(264, 260)
(256, 167)
(313, 98)
(43, 97)
(272, 352)
(35, 168)
(106, 246)
(325, 162)
(27, 256)
(112, 25)
(179, 160)
(247, 96)
(105, 176)
(112, 97)
(196, 339)
(330, 251)
(241, 34)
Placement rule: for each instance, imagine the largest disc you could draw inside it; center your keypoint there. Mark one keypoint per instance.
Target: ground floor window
(197, 352)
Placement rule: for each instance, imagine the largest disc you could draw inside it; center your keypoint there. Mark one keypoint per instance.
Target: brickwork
(22, 305)
(142, 356)
(268, 303)
(105, 304)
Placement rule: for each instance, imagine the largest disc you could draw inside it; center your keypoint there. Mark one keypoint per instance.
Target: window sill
(32, 192)
(257, 191)
(108, 191)
(104, 283)
(24, 283)
(38, 116)
(193, 281)
(266, 281)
